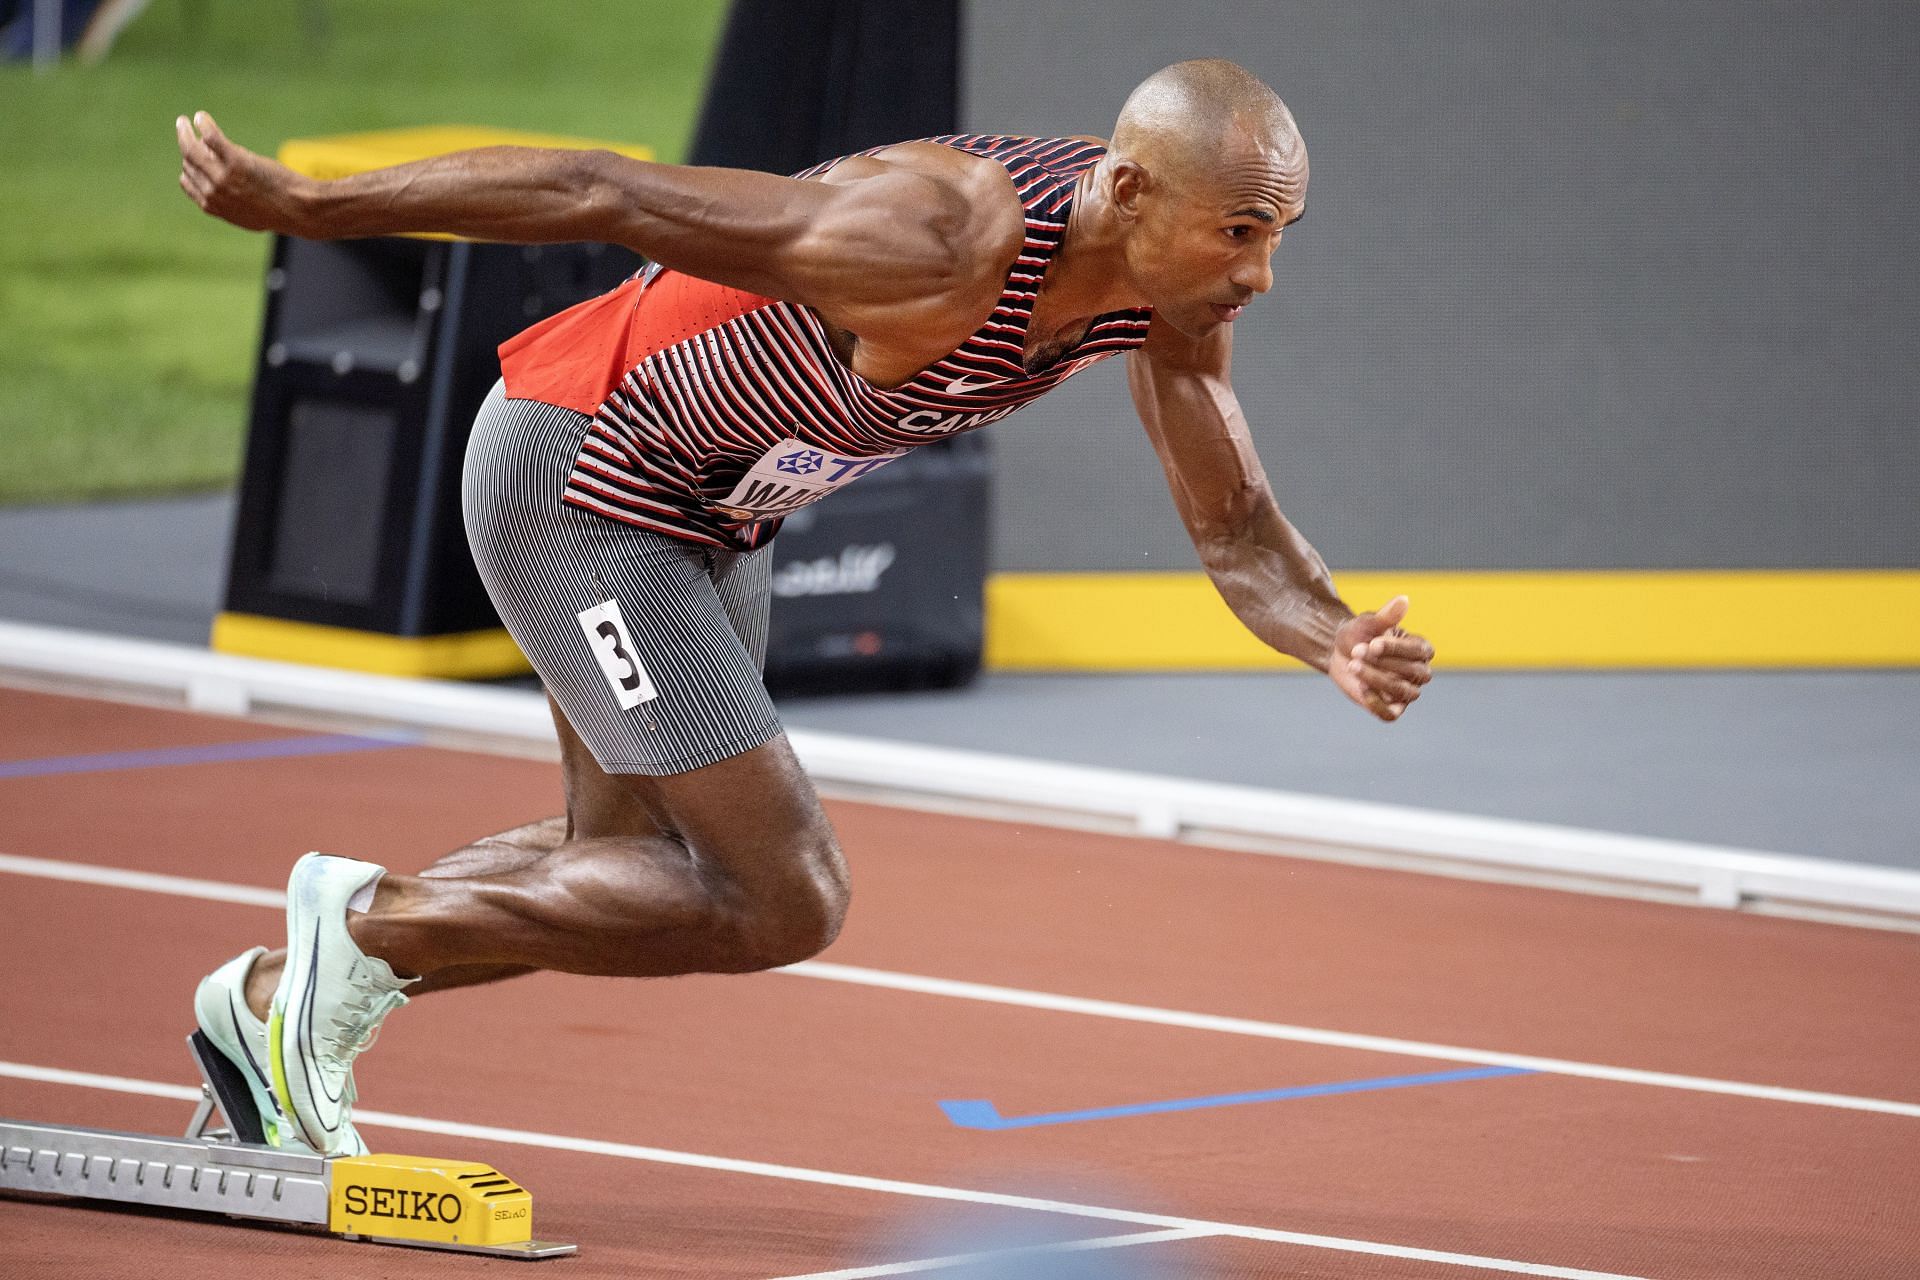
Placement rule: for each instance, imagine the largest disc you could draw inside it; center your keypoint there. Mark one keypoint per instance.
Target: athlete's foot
(329, 1002)
(262, 978)
(241, 1037)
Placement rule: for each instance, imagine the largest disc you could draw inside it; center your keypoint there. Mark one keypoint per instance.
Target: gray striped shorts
(652, 646)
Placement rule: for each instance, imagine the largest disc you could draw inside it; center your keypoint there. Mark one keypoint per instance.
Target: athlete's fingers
(194, 155)
(1409, 647)
(1395, 688)
(193, 160)
(1382, 706)
(1392, 611)
(1371, 626)
(183, 134)
(197, 163)
(210, 134)
(200, 187)
(1405, 668)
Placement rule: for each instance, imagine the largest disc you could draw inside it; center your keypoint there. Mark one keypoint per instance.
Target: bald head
(1204, 172)
(1184, 120)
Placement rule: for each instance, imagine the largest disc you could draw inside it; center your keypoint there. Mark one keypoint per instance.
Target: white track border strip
(180, 886)
(998, 1255)
(1156, 806)
(856, 1182)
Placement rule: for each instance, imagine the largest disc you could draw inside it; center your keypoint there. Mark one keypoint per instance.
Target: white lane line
(850, 1181)
(1002, 1255)
(1336, 1039)
(145, 881)
(920, 985)
(88, 1080)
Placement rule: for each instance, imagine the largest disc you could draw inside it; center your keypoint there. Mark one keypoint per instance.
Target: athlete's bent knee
(797, 921)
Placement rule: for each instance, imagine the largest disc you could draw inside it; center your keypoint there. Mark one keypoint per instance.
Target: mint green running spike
(220, 1009)
(330, 1002)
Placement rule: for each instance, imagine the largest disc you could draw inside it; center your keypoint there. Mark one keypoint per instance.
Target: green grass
(129, 320)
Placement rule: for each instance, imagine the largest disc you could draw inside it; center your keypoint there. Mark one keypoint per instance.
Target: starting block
(386, 1199)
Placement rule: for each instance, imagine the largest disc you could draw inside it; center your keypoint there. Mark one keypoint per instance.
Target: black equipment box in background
(375, 356)
(881, 585)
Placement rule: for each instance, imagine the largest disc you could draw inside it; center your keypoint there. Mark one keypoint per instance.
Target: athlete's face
(1202, 247)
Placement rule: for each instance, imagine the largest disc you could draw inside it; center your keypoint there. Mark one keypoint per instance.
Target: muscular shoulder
(967, 203)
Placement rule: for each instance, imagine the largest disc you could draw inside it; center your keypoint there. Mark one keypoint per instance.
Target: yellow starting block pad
(386, 1199)
(432, 1202)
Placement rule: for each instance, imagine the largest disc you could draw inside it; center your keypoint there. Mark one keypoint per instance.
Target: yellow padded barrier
(342, 155)
(1491, 619)
(461, 655)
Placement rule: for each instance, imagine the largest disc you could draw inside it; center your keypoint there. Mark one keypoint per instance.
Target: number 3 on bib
(612, 647)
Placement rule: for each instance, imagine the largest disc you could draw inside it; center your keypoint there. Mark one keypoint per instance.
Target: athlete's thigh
(624, 625)
(755, 810)
(665, 726)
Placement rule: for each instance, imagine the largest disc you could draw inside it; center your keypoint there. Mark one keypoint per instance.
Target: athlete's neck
(1088, 275)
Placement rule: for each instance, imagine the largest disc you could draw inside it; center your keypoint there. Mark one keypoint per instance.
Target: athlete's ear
(1131, 183)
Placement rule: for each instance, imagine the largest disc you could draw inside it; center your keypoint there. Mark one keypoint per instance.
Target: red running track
(1547, 1171)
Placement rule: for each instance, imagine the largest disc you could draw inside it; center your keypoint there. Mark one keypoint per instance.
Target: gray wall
(1629, 284)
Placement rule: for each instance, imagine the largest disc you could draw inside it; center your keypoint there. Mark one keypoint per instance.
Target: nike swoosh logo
(240, 1038)
(305, 1030)
(965, 383)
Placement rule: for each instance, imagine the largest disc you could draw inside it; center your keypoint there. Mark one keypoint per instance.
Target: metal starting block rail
(457, 1205)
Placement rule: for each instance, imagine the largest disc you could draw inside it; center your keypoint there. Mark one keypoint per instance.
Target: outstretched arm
(1269, 575)
(838, 246)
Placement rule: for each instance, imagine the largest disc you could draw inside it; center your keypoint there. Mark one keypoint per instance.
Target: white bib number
(606, 633)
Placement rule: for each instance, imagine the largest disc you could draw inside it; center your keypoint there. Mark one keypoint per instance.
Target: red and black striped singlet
(717, 411)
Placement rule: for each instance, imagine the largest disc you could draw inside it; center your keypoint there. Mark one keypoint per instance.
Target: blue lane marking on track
(981, 1114)
(325, 744)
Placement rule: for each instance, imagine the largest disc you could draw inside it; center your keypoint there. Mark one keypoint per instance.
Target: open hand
(232, 183)
(1378, 665)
